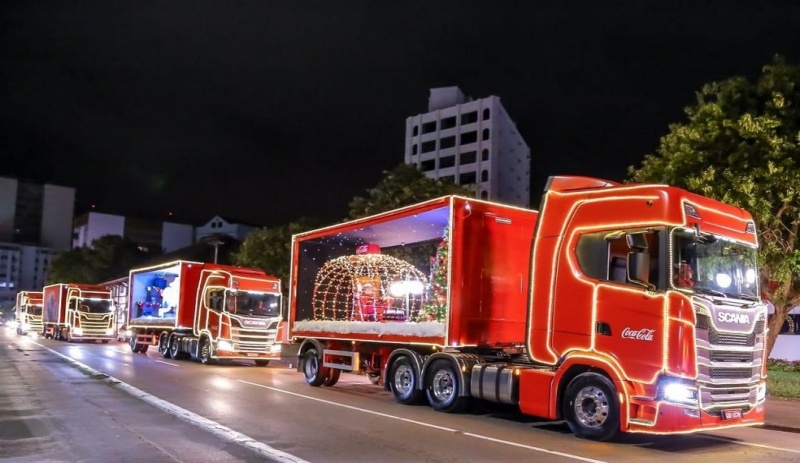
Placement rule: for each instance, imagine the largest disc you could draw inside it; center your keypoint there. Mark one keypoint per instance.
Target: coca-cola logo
(644, 334)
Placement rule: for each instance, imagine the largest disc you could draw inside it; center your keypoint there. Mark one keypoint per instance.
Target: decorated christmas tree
(436, 306)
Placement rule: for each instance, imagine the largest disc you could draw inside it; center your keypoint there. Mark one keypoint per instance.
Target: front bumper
(661, 417)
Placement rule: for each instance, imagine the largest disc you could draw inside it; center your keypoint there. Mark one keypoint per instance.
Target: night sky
(266, 111)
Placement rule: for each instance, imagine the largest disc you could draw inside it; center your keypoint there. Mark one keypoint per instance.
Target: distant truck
(28, 313)
(206, 311)
(74, 312)
(578, 311)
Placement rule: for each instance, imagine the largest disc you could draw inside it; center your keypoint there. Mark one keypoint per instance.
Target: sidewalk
(51, 411)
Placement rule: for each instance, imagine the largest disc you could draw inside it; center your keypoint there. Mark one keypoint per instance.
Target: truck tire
(313, 370)
(404, 381)
(163, 346)
(132, 342)
(443, 387)
(143, 348)
(261, 362)
(590, 407)
(204, 352)
(333, 377)
(175, 348)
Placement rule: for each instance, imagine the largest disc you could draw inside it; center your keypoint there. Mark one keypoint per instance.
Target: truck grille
(95, 324)
(35, 323)
(254, 340)
(728, 364)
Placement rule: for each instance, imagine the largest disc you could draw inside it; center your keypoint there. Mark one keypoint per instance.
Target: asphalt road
(354, 420)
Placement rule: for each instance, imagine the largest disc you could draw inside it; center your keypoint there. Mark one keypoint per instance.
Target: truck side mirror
(639, 269)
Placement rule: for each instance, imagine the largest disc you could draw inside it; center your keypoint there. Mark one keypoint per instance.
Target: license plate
(252, 354)
(732, 414)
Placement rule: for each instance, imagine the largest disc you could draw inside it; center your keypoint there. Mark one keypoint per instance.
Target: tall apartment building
(472, 143)
(35, 226)
(153, 234)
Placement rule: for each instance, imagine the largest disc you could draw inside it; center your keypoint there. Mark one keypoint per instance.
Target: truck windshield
(713, 265)
(33, 309)
(252, 304)
(94, 305)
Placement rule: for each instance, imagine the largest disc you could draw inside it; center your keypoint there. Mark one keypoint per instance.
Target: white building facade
(35, 227)
(473, 143)
(148, 233)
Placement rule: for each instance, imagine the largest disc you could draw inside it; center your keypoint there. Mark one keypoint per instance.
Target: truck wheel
(261, 362)
(133, 344)
(591, 408)
(442, 387)
(374, 378)
(333, 377)
(313, 370)
(163, 346)
(104, 341)
(403, 381)
(204, 352)
(143, 348)
(174, 347)
(66, 335)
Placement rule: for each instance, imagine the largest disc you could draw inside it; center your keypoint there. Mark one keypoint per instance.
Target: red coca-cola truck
(78, 312)
(573, 312)
(205, 311)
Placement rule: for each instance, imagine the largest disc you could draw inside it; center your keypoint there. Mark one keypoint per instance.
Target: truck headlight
(275, 348)
(225, 345)
(761, 392)
(26, 326)
(78, 331)
(109, 331)
(680, 392)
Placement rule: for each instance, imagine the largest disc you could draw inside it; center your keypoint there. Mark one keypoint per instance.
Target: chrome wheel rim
(403, 380)
(443, 385)
(591, 407)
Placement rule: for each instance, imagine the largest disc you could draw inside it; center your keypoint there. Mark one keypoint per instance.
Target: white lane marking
(122, 351)
(193, 418)
(420, 423)
(167, 363)
(750, 444)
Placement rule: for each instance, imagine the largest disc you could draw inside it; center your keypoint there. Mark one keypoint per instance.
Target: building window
(486, 114)
(429, 127)
(428, 146)
(427, 166)
(414, 148)
(469, 137)
(447, 142)
(448, 123)
(467, 158)
(469, 118)
(484, 194)
(467, 178)
(484, 176)
(485, 155)
(447, 161)
(448, 179)
(415, 131)
(485, 135)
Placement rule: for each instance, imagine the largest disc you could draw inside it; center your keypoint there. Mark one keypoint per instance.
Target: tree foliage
(402, 186)
(270, 249)
(741, 145)
(109, 257)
